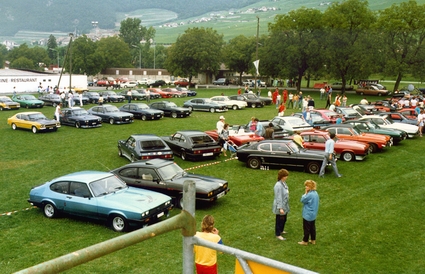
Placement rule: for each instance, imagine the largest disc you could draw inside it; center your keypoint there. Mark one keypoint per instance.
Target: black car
(135, 95)
(111, 96)
(371, 127)
(221, 81)
(158, 83)
(111, 114)
(79, 118)
(251, 101)
(204, 104)
(84, 99)
(281, 153)
(50, 99)
(167, 177)
(92, 96)
(193, 144)
(144, 147)
(142, 111)
(171, 109)
(251, 96)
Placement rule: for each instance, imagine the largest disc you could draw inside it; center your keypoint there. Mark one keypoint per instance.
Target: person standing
(290, 100)
(310, 200)
(285, 96)
(344, 100)
(322, 93)
(70, 99)
(269, 134)
(206, 258)
(281, 110)
(298, 139)
(148, 96)
(329, 157)
(259, 129)
(421, 122)
(281, 203)
(58, 112)
(129, 96)
(328, 100)
(80, 96)
(224, 138)
(220, 124)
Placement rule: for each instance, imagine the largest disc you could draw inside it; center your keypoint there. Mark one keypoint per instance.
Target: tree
(52, 48)
(349, 42)
(238, 54)
(114, 52)
(85, 58)
(3, 53)
(29, 58)
(295, 44)
(403, 33)
(196, 50)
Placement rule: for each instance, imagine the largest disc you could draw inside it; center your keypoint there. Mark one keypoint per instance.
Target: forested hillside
(65, 16)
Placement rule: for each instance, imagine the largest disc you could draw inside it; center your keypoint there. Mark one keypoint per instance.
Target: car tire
(50, 210)
(348, 156)
(179, 201)
(313, 167)
(1, 108)
(190, 109)
(212, 110)
(119, 152)
(374, 147)
(253, 105)
(234, 107)
(34, 129)
(254, 162)
(111, 121)
(174, 115)
(118, 223)
(361, 93)
(54, 105)
(77, 124)
(14, 127)
(143, 117)
(27, 106)
(184, 156)
(133, 158)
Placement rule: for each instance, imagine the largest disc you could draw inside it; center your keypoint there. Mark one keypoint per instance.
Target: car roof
(29, 112)
(84, 176)
(339, 125)
(153, 162)
(191, 132)
(145, 137)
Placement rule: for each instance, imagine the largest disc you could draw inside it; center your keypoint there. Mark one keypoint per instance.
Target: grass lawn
(369, 220)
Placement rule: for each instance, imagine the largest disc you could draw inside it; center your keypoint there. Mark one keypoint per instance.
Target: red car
(348, 132)
(408, 112)
(164, 94)
(327, 115)
(346, 150)
(175, 92)
(183, 83)
(237, 138)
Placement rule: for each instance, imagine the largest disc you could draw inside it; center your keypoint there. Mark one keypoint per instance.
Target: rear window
(152, 144)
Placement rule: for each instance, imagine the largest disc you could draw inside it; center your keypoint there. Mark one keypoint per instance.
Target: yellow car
(35, 121)
(7, 103)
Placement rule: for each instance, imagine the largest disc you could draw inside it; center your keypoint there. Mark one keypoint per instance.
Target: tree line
(347, 41)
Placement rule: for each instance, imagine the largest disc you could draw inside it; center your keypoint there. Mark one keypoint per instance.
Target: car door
(314, 141)
(129, 147)
(79, 200)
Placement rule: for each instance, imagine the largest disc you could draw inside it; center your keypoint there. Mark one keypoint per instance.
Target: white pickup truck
(250, 83)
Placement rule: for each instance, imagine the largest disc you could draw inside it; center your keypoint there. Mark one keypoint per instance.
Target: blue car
(100, 195)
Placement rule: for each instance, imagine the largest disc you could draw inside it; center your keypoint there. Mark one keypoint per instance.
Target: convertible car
(35, 121)
(79, 118)
(111, 114)
(167, 177)
(193, 144)
(144, 147)
(28, 101)
(142, 111)
(100, 195)
(284, 153)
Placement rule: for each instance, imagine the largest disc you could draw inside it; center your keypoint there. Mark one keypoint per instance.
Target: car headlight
(145, 214)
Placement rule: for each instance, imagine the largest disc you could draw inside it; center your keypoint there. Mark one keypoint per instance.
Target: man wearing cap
(220, 125)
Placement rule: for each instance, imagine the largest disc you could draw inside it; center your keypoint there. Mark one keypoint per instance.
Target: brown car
(372, 90)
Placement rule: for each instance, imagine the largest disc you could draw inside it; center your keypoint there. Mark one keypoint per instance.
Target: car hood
(46, 121)
(202, 182)
(133, 199)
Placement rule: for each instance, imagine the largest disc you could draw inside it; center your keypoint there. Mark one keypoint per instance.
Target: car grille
(219, 190)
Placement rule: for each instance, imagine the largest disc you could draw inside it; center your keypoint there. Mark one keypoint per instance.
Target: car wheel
(54, 105)
(143, 117)
(1, 108)
(111, 121)
(34, 129)
(119, 152)
(347, 156)
(179, 201)
(379, 94)
(119, 223)
(14, 127)
(27, 106)
(174, 114)
(77, 125)
(212, 110)
(190, 109)
(361, 93)
(373, 147)
(313, 167)
(234, 107)
(254, 162)
(125, 86)
(133, 158)
(184, 156)
(50, 210)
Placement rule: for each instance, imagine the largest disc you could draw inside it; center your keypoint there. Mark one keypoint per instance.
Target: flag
(256, 64)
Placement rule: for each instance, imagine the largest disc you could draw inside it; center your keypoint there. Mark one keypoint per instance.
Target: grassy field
(369, 220)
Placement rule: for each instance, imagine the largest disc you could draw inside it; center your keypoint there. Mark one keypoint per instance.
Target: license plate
(160, 215)
(208, 154)
(221, 194)
(127, 119)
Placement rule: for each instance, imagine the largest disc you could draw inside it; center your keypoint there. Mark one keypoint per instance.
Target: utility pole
(256, 53)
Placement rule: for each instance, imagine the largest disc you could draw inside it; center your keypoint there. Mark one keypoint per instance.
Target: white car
(129, 84)
(291, 123)
(385, 122)
(231, 104)
(145, 81)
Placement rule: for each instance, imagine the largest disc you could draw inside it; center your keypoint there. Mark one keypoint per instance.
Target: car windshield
(111, 109)
(106, 185)
(28, 97)
(5, 100)
(295, 121)
(79, 112)
(171, 105)
(207, 101)
(171, 171)
(350, 111)
(36, 116)
(142, 106)
(294, 147)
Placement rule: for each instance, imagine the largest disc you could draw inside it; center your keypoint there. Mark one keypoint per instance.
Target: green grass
(370, 220)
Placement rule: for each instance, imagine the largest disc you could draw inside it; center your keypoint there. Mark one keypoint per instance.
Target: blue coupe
(100, 195)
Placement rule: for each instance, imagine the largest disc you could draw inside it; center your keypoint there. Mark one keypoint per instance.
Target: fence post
(189, 200)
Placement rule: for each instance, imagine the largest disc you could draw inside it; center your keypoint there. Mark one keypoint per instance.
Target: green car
(371, 127)
(28, 101)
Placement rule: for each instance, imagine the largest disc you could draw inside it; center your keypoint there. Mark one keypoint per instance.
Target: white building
(28, 81)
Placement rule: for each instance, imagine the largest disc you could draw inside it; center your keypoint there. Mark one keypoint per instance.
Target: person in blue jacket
(310, 200)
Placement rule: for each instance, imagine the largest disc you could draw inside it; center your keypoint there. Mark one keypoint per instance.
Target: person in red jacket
(285, 96)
